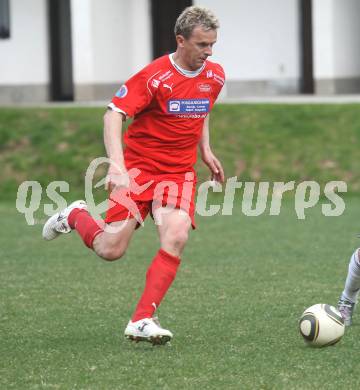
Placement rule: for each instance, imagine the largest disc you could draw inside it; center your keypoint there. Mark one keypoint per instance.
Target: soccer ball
(321, 325)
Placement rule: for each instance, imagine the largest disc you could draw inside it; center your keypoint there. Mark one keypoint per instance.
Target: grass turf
(234, 307)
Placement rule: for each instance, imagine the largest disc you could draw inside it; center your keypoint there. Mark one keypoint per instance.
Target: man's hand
(116, 178)
(217, 172)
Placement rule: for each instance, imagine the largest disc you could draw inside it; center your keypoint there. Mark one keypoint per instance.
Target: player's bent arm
(112, 139)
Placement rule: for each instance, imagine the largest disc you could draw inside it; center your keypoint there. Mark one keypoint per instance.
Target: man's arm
(117, 174)
(208, 156)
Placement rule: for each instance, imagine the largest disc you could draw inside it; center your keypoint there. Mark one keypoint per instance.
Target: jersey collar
(185, 72)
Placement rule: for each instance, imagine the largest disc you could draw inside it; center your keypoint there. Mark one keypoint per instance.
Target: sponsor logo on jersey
(188, 106)
(155, 83)
(122, 92)
(209, 74)
(168, 86)
(166, 75)
(192, 116)
(174, 106)
(202, 87)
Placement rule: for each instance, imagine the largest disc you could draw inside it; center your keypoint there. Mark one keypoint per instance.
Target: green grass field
(243, 283)
(234, 307)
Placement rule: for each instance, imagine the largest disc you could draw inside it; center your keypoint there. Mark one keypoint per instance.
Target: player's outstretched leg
(58, 223)
(348, 299)
(109, 245)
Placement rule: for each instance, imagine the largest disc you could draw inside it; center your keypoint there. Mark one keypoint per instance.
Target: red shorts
(148, 192)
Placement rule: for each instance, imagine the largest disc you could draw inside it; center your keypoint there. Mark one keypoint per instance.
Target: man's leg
(112, 245)
(349, 296)
(173, 233)
(108, 241)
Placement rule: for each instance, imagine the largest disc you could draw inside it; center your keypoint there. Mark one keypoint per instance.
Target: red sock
(159, 278)
(85, 225)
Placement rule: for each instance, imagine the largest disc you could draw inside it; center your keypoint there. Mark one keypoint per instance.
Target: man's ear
(180, 40)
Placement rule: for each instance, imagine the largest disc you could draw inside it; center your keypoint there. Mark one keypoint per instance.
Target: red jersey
(169, 109)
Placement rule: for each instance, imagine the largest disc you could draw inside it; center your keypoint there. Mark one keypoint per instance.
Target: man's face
(198, 47)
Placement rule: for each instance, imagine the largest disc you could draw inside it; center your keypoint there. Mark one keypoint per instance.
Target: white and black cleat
(58, 223)
(346, 309)
(147, 329)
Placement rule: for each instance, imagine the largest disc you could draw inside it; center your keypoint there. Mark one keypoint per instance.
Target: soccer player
(348, 298)
(170, 101)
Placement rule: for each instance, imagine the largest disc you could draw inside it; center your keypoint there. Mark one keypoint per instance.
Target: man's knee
(181, 237)
(177, 236)
(112, 253)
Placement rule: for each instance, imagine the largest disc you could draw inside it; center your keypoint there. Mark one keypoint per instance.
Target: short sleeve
(133, 96)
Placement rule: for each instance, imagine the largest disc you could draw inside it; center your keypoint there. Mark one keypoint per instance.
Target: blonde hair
(195, 16)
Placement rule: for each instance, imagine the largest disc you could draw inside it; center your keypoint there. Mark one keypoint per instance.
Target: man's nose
(208, 51)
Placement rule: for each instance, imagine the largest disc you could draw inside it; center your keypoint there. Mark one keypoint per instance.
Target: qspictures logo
(257, 198)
